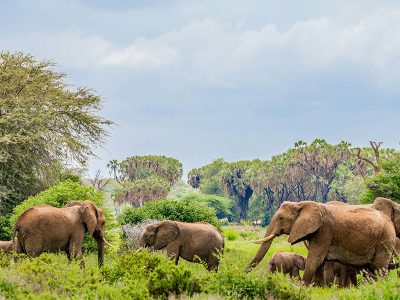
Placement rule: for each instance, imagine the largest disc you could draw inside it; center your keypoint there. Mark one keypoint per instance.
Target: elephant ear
(391, 209)
(299, 261)
(167, 232)
(309, 219)
(89, 215)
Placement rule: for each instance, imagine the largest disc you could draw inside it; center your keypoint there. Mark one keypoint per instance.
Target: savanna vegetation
(46, 126)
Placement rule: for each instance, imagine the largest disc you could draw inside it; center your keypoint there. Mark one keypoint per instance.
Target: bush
(5, 228)
(64, 192)
(236, 285)
(230, 234)
(132, 233)
(176, 210)
(156, 272)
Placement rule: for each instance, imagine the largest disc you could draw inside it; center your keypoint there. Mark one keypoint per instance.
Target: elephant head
(94, 220)
(296, 219)
(391, 209)
(299, 261)
(159, 235)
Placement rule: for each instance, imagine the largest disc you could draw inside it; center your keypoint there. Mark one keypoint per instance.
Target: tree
(237, 187)
(145, 178)
(43, 122)
(209, 177)
(386, 183)
(321, 161)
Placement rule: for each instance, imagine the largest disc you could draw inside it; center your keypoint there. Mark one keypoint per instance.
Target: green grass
(144, 275)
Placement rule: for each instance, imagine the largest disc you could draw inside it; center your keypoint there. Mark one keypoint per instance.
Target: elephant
(190, 241)
(327, 229)
(6, 246)
(340, 274)
(50, 229)
(287, 263)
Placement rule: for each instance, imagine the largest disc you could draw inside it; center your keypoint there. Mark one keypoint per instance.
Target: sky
(199, 80)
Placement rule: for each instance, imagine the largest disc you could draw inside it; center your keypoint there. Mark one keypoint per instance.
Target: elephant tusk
(271, 236)
(138, 250)
(107, 243)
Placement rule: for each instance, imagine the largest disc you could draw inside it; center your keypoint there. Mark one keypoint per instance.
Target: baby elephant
(6, 246)
(287, 263)
(190, 241)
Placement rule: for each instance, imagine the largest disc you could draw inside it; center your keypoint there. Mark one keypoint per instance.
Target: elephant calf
(6, 246)
(190, 241)
(287, 263)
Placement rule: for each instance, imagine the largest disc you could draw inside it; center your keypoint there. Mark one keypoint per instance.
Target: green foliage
(61, 194)
(180, 190)
(43, 122)
(210, 177)
(176, 210)
(234, 285)
(221, 205)
(5, 228)
(230, 234)
(386, 183)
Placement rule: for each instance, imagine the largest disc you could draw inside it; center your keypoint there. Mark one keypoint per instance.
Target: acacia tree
(43, 121)
(145, 178)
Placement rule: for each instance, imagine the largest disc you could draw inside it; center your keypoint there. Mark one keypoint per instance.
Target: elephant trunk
(100, 250)
(263, 250)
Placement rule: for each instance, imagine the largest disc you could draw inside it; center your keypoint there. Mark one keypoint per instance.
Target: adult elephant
(358, 236)
(187, 240)
(50, 229)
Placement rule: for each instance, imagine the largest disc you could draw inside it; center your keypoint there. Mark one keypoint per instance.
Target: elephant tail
(16, 242)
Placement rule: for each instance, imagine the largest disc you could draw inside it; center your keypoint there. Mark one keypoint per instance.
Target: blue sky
(198, 80)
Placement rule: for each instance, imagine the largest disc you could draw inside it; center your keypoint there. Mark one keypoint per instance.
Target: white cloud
(142, 54)
(211, 52)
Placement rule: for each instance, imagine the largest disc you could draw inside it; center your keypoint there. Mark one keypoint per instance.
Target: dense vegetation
(317, 171)
(176, 210)
(144, 275)
(44, 123)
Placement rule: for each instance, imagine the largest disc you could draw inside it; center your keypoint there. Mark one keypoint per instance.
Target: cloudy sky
(197, 80)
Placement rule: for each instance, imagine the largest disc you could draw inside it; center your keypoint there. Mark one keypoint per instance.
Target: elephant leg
(75, 250)
(316, 256)
(173, 251)
(33, 246)
(329, 275)
(213, 262)
(273, 268)
(295, 272)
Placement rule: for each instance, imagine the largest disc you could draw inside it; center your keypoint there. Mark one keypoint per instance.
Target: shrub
(64, 192)
(230, 234)
(5, 228)
(132, 233)
(176, 210)
(236, 285)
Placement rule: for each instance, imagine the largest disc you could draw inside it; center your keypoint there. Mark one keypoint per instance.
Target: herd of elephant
(341, 239)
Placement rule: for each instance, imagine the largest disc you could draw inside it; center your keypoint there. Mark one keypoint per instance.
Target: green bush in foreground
(176, 210)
